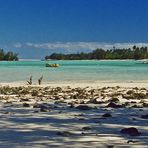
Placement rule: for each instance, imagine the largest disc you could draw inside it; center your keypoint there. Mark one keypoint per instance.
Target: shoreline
(34, 60)
(92, 84)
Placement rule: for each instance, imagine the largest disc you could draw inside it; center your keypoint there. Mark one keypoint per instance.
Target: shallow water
(94, 70)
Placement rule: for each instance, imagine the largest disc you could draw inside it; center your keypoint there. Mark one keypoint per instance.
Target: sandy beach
(82, 84)
(74, 115)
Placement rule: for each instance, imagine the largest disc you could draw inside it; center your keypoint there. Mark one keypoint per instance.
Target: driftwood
(30, 81)
(40, 80)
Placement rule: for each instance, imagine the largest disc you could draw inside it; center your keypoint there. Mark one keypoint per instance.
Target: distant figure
(40, 80)
(30, 81)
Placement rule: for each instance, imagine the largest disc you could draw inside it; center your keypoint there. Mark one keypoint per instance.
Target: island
(8, 56)
(135, 52)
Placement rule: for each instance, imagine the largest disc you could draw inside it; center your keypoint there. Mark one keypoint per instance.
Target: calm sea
(113, 71)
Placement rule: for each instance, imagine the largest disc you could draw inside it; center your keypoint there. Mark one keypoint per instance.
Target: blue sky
(34, 28)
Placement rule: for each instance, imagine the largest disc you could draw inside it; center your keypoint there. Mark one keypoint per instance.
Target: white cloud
(17, 45)
(77, 45)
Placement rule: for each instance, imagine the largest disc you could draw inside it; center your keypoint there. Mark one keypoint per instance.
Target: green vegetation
(8, 56)
(134, 53)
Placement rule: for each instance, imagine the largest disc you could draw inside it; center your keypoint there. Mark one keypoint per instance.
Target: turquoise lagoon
(77, 71)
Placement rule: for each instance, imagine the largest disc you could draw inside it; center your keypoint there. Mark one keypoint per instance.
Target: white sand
(82, 84)
(24, 127)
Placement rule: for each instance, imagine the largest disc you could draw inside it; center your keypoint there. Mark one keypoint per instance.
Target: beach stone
(64, 133)
(39, 106)
(70, 105)
(127, 103)
(130, 131)
(136, 106)
(36, 106)
(42, 109)
(144, 116)
(110, 146)
(129, 92)
(95, 101)
(145, 104)
(133, 102)
(6, 112)
(24, 99)
(131, 141)
(83, 107)
(35, 93)
(86, 128)
(114, 100)
(128, 97)
(114, 105)
(81, 119)
(26, 105)
(107, 115)
(82, 102)
(139, 95)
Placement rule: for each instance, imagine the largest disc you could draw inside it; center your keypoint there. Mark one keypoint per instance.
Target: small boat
(52, 65)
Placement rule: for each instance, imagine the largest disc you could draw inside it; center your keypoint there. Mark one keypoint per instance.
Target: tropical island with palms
(8, 56)
(136, 53)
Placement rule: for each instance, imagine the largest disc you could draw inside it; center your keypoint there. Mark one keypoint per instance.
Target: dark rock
(6, 112)
(110, 146)
(64, 133)
(130, 92)
(42, 109)
(71, 106)
(81, 119)
(83, 107)
(145, 104)
(95, 101)
(24, 99)
(82, 102)
(26, 105)
(127, 103)
(86, 128)
(128, 97)
(36, 106)
(136, 106)
(114, 100)
(131, 141)
(114, 105)
(40, 106)
(133, 102)
(139, 95)
(144, 116)
(36, 111)
(100, 102)
(130, 131)
(107, 115)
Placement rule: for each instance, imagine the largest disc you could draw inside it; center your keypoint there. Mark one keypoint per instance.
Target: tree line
(8, 56)
(135, 52)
